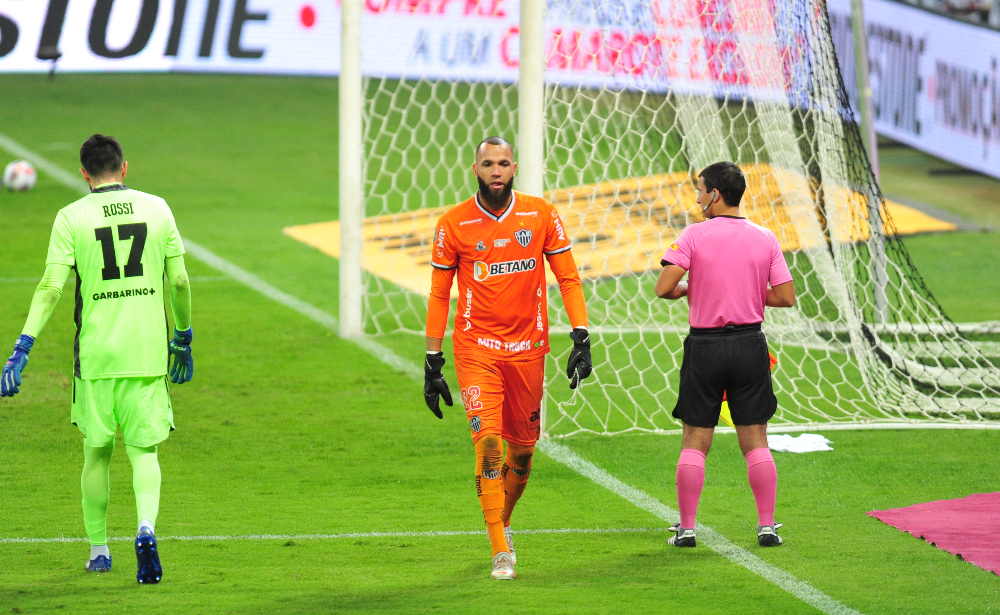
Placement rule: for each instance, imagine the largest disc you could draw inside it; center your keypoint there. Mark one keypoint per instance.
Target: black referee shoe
(767, 535)
(684, 538)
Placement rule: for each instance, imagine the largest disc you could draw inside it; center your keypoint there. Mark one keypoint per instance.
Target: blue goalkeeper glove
(580, 364)
(183, 368)
(434, 383)
(11, 378)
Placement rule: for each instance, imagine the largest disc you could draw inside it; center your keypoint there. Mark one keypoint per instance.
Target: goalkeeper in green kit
(119, 242)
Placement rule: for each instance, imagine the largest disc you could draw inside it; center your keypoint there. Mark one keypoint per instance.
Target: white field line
(558, 452)
(61, 175)
(248, 279)
(218, 263)
(308, 310)
(430, 534)
(706, 535)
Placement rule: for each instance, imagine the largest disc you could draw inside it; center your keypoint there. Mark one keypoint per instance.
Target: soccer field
(306, 476)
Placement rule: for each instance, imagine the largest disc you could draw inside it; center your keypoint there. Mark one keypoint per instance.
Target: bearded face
(495, 198)
(495, 169)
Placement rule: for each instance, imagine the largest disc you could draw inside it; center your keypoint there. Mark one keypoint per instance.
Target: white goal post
(350, 166)
(613, 107)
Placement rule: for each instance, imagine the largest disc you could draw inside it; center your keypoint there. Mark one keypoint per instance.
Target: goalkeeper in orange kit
(495, 242)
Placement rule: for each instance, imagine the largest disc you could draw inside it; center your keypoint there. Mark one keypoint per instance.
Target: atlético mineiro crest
(480, 246)
(523, 237)
(475, 424)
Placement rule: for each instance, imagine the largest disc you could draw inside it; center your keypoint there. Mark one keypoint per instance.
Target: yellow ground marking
(616, 226)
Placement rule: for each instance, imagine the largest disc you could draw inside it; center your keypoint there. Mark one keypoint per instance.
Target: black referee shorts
(731, 360)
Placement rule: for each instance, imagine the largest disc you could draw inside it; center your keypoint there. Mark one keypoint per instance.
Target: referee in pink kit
(735, 268)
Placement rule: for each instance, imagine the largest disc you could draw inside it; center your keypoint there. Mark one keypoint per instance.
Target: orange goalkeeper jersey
(502, 304)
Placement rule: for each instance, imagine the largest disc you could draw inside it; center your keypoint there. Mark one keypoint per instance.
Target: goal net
(639, 96)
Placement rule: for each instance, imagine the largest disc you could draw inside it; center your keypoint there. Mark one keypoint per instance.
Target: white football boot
(503, 567)
(510, 544)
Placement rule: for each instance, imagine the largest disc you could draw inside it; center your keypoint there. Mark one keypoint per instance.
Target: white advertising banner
(92, 36)
(934, 80)
(688, 45)
(259, 36)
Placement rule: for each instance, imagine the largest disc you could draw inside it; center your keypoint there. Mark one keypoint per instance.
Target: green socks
(95, 485)
(145, 481)
(96, 489)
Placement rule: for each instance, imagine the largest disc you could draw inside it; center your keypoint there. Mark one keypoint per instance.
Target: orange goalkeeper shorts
(502, 398)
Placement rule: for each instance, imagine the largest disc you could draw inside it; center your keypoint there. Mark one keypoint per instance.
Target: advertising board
(690, 46)
(259, 36)
(934, 80)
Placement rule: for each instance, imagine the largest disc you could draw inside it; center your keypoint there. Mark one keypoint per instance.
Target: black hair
(493, 140)
(101, 156)
(728, 179)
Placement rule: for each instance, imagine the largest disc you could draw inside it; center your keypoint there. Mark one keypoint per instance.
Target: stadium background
(319, 438)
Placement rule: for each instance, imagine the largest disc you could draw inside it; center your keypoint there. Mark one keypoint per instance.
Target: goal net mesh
(639, 97)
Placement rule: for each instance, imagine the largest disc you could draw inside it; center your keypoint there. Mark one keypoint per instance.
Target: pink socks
(761, 471)
(690, 480)
(763, 477)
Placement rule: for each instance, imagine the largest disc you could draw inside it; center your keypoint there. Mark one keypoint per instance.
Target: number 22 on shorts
(470, 398)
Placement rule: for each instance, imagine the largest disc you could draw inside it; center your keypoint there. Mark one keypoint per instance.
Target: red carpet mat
(967, 527)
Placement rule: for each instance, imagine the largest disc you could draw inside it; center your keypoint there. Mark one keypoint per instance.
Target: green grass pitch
(287, 429)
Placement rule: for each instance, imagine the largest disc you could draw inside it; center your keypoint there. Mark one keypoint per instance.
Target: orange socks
(489, 487)
(515, 479)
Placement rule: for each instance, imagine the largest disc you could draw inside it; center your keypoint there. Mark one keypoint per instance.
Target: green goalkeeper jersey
(117, 239)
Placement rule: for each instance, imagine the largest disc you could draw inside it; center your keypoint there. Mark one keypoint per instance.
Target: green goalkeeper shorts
(141, 406)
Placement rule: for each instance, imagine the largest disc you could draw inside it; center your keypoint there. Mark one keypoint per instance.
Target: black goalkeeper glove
(580, 364)
(434, 383)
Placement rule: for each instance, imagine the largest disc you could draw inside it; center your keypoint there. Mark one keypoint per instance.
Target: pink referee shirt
(730, 263)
